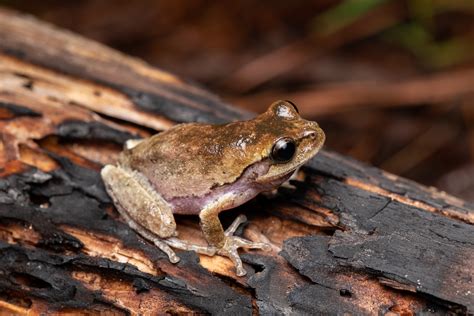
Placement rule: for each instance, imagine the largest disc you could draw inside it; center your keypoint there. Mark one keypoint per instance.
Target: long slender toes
(233, 243)
(240, 271)
(158, 242)
(166, 249)
(258, 245)
(235, 224)
(234, 256)
(184, 245)
(244, 243)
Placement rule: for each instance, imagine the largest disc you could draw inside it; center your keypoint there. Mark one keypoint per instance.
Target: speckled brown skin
(193, 159)
(205, 169)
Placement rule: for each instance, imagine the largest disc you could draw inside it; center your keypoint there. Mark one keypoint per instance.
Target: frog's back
(192, 159)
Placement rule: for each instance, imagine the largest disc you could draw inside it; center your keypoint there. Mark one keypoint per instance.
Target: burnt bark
(347, 237)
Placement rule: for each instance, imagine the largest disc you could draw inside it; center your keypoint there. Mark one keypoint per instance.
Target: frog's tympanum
(205, 169)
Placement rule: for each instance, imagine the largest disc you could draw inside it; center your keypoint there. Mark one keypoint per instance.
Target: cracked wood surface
(346, 238)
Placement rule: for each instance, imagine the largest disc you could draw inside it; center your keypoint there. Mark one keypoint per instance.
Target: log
(346, 237)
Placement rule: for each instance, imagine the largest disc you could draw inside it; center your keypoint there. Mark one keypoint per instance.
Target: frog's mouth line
(285, 177)
(278, 179)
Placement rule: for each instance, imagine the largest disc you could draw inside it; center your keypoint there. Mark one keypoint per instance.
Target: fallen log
(346, 237)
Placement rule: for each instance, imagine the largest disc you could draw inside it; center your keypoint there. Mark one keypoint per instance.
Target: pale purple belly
(242, 190)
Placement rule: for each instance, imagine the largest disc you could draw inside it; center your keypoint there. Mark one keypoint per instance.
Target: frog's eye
(285, 110)
(283, 150)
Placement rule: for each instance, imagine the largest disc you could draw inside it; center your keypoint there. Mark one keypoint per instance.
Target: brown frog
(205, 169)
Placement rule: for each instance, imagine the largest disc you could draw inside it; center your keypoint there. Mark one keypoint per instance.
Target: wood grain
(346, 237)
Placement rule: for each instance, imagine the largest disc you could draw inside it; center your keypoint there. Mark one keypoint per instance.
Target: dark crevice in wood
(376, 243)
(121, 122)
(68, 206)
(16, 110)
(92, 130)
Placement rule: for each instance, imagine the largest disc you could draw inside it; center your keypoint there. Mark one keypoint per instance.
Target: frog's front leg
(224, 241)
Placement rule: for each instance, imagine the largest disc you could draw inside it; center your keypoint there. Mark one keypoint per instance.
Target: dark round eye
(283, 150)
(294, 105)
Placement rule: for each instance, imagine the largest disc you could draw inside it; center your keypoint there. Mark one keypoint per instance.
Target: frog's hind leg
(161, 244)
(144, 210)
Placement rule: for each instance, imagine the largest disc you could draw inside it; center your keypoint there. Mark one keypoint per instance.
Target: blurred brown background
(391, 82)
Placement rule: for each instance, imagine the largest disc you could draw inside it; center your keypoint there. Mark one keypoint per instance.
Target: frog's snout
(316, 138)
(313, 131)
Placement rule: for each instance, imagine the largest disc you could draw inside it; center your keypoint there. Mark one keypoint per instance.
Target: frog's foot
(184, 245)
(160, 243)
(232, 243)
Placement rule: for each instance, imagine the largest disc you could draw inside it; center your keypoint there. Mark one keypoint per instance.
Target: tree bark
(346, 237)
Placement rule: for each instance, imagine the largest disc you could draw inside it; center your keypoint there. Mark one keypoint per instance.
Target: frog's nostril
(310, 134)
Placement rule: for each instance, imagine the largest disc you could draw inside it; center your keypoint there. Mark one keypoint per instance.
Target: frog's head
(290, 140)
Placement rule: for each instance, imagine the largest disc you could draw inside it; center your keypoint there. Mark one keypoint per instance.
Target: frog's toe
(239, 220)
(233, 255)
(174, 258)
(232, 244)
(244, 243)
(167, 250)
(229, 250)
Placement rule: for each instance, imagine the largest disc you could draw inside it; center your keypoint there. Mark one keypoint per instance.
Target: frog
(204, 169)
